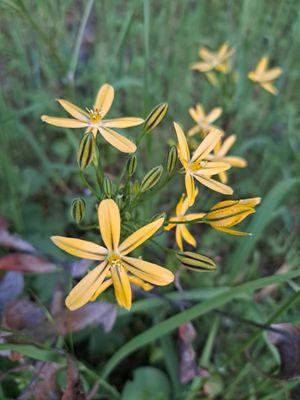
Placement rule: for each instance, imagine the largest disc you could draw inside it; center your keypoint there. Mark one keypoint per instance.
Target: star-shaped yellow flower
(182, 231)
(196, 167)
(214, 60)
(116, 267)
(92, 119)
(204, 122)
(265, 77)
(219, 154)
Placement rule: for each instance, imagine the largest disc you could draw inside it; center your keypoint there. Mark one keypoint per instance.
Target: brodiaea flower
(204, 122)
(196, 167)
(265, 77)
(182, 231)
(219, 154)
(214, 60)
(92, 119)
(116, 268)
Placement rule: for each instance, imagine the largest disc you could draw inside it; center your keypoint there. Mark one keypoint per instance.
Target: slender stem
(88, 185)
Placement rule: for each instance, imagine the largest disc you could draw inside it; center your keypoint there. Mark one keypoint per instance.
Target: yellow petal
(268, 86)
(237, 162)
(104, 99)
(214, 114)
(169, 226)
(202, 66)
(206, 54)
(140, 236)
(271, 74)
(195, 129)
(147, 271)
(212, 78)
(252, 202)
(233, 232)
(122, 286)
(139, 282)
(207, 145)
(185, 203)
(223, 177)
(184, 151)
(226, 146)
(109, 222)
(214, 185)
(83, 292)
(228, 216)
(80, 248)
(190, 188)
(125, 122)
(212, 168)
(63, 122)
(104, 285)
(115, 139)
(193, 216)
(73, 110)
(187, 236)
(178, 237)
(262, 65)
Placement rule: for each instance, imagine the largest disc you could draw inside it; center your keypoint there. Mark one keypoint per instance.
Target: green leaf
(34, 352)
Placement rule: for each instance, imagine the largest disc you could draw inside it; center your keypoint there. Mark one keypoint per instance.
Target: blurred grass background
(144, 49)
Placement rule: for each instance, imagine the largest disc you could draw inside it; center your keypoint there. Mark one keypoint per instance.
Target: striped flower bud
(172, 159)
(155, 117)
(107, 187)
(151, 178)
(78, 210)
(131, 165)
(86, 150)
(195, 261)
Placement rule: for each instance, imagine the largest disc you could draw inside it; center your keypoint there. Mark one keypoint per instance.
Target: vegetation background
(51, 49)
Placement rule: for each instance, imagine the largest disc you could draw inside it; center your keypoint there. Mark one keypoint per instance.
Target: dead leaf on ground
(23, 262)
(74, 389)
(13, 241)
(11, 285)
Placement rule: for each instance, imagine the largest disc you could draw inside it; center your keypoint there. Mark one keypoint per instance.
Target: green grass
(51, 49)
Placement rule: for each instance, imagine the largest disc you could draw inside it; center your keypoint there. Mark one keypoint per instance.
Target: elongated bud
(172, 159)
(156, 116)
(119, 201)
(131, 165)
(86, 150)
(195, 261)
(107, 187)
(158, 216)
(78, 210)
(151, 178)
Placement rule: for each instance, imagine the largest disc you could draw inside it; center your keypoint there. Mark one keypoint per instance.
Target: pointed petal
(195, 129)
(184, 151)
(212, 168)
(252, 202)
(190, 188)
(268, 86)
(63, 122)
(80, 248)
(148, 271)
(125, 122)
(262, 65)
(226, 146)
(214, 185)
(207, 145)
(73, 110)
(233, 232)
(140, 236)
(206, 54)
(193, 216)
(122, 286)
(170, 226)
(83, 292)
(115, 139)
(223, 177)
(110, 223)
(271, 74)
(104, 285)
(178, 237)
(234, 161)
(214, 114)
(104, 99)
(139, 282)
(187, 236)
(202, 66)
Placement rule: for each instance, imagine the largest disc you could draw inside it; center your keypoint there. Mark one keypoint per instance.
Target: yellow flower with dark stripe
(214, 60)
(197, 167)
(181, 231)
(226, 214)
(204, 121)
(92, 119)
(265, 77)
(115, 267)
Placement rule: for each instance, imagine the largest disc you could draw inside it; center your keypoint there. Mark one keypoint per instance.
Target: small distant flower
(196, 167)
(265, 77)
(92, 119)
(181, 231)
(226, 214)
(204, 122)
(115, 268)
(214, 60)
(220, 152)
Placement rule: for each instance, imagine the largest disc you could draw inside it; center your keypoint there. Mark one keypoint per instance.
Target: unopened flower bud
(86, 150)
(195, 261)
(131, 165)
(107, 187)
(151, 178)
(172, 159)
(78, 210)
(156, 116)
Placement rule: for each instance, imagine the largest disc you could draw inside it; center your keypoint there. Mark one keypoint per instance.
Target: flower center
(195, 166)
(94, 115)
(114, 259)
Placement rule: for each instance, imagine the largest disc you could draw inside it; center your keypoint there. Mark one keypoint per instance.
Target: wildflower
(265, 77)
(196, 167)
(115, 268)
(204, 122)
(220, 152)
(92, 119)
(181, 231)
(226, 214)
(214, 60)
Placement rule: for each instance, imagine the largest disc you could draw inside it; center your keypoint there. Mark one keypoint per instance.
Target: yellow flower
(204, 122)
(92, 119)
(226, 214)
(220, 152)
(181, 231)
(196, 167)
(214, 60)
(265, 77)
(115, 267)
